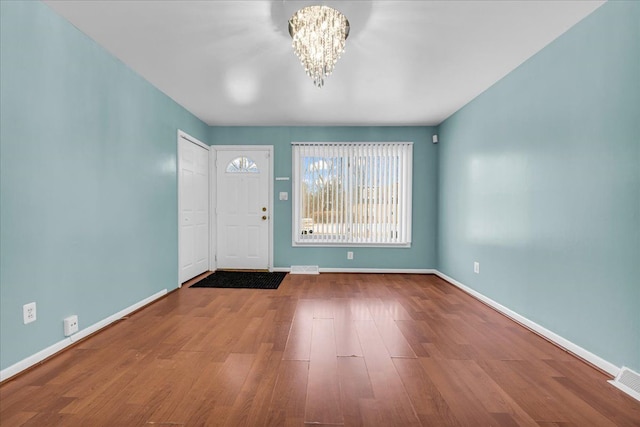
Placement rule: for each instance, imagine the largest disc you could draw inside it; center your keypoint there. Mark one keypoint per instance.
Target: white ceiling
(405, 62)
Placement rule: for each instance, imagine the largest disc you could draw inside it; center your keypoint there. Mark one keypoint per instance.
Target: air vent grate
(629, 382)
(305, 269)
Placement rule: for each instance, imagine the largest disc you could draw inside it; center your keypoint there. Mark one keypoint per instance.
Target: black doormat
(241, 279)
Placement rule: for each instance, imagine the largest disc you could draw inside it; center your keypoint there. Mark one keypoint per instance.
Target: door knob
(264, 217)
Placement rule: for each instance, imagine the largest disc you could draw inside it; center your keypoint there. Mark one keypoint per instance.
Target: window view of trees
(352, 193)
(357, 197)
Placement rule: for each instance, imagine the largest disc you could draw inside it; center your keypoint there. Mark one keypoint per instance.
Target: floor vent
(629, 382)
(305, 269)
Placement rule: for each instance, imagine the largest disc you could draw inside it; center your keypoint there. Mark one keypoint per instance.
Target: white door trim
(186, 136)
(189, 138)
(213, 218)
(213, 173)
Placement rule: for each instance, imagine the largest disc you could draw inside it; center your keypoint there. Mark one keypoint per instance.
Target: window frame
(407, 176)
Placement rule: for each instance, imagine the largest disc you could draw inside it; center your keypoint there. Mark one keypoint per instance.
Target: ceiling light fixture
(319, 34)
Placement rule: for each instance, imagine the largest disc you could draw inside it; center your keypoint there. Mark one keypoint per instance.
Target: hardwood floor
(334, 349)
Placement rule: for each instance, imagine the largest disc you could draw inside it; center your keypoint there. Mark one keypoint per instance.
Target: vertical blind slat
(402, 226)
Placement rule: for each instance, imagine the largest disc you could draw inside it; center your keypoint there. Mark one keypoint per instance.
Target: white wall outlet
(70, 325)
(349, 255)
(476, 267)
(29, 312)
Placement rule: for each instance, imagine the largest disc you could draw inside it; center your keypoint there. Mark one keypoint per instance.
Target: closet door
(193, 182)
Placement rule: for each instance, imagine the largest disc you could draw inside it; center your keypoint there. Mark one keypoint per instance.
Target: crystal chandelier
(319, 34)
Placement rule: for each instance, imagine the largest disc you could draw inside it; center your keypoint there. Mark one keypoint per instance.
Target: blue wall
(422, 253)
(540, 183)
(88, 219)
(538, 179)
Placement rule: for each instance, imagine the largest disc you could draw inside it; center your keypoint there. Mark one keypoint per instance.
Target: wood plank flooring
(334, 349)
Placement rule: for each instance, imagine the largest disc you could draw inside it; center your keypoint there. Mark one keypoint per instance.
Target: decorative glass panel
(242, 165)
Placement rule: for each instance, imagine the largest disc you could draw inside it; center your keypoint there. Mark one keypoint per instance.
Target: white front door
(193, 181)
(242, 206)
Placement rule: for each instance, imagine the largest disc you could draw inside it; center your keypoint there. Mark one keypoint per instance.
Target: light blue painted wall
(540, 183)
(422, 253)
(88, 180)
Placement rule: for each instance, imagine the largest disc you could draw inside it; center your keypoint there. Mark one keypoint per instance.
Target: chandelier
(319, 34)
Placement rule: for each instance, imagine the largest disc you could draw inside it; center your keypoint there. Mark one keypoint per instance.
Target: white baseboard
(61, 345)
(33, 359)
(551, 336)
(378, 270)
(367, 270)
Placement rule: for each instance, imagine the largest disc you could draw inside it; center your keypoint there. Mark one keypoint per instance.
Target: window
(242, 165)
(352, 194)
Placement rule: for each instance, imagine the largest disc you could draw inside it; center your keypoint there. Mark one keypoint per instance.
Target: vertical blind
(352, 193)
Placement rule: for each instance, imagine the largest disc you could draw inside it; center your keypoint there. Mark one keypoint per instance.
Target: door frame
(213, 166)
(187, 137)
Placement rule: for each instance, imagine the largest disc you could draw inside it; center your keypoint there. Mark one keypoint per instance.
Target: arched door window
(242, 165)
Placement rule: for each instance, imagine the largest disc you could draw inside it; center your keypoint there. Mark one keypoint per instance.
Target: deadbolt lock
(264, 217)
(264, 209)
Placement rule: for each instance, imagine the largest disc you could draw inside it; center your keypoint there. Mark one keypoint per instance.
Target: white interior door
(242, 207)
(193, 181)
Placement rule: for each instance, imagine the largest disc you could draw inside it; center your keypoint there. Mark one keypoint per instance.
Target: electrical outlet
(70, 325)
(476, 267)
(29, 312)
(349, 255)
